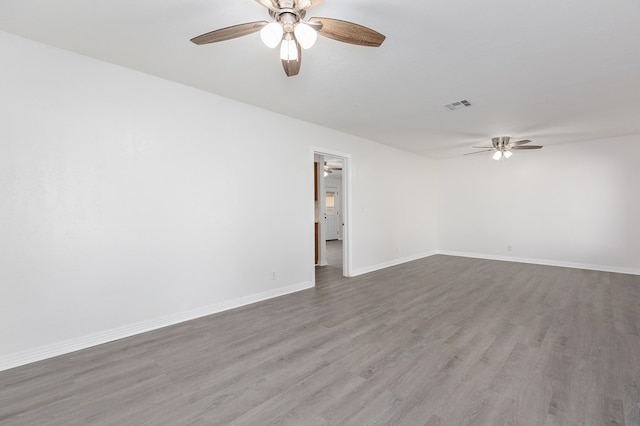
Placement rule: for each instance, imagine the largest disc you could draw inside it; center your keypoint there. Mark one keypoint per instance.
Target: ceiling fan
(291, 32)
(503, 146)
(328, 169)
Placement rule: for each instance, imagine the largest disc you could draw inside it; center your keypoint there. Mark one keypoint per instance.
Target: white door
(331, 216)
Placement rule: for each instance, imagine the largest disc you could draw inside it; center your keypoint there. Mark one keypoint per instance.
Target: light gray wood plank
(439, 341)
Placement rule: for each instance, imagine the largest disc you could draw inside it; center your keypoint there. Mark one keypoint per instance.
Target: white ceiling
(547, 70)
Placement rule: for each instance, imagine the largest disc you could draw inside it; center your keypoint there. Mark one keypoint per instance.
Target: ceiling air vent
(457, 105)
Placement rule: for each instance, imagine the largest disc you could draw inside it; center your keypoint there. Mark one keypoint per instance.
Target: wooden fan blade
(482, 147)
(269, 4)
(478, 152)
(348, 32)
(292, 68)
(527, 147)
(522, 142)
(308, 4)
(229, 32)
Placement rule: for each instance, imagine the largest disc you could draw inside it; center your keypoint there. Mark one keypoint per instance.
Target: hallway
(333, 271)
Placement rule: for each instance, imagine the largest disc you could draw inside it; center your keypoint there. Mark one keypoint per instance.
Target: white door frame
(346, 207)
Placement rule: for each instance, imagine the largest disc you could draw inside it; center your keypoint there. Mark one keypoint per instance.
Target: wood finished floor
(439, 341)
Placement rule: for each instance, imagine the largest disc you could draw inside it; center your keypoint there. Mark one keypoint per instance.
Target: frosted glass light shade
(271, 34)
(508, 154)
(305, 35)
(497, 155)
(288, 48)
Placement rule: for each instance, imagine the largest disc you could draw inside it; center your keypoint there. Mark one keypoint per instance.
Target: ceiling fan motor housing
(500, 143)
(288, 21)
(287, 15)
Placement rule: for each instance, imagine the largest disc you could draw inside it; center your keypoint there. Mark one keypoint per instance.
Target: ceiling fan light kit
(289, 48)
(271, 34)
(503, 147)
(291, 32)
(305, 35)
(499, 155)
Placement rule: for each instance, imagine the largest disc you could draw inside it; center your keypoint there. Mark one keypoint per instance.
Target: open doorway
(331, 215)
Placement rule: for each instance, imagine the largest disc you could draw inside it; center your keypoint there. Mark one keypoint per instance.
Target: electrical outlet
(274, 276)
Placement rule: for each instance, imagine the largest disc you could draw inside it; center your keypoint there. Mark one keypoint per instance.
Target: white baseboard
(394, 262)
(76, 344)
(546, 262)
(72, 345)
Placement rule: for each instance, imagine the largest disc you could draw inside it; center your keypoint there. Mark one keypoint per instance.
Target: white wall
(574, 204)
(392, 208)
(128, 202)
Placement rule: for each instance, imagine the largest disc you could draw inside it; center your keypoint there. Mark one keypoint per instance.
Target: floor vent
(457, 105)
